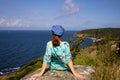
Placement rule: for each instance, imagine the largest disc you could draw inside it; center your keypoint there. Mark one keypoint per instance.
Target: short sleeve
(47, 55)
(68, 56)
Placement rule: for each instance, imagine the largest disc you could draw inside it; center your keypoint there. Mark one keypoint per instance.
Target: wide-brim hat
(57, 30)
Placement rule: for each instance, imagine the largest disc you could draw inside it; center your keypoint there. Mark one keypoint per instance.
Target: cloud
(17, 23)
(70, 7)
(2, 20)
(11, 23)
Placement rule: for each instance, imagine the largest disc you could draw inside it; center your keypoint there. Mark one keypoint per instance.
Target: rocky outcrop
(63, 75)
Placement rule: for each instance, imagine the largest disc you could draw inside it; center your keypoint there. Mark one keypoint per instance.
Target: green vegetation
(105, 59)
(29, 68)
(107, 63)
(102, 55)
(101, 33)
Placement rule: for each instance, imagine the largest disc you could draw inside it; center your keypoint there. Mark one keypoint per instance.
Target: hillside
(100, 33)
(104, 54)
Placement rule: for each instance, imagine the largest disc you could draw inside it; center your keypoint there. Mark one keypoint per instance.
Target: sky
(71, 14)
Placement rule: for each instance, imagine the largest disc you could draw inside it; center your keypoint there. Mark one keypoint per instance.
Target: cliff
(104, 55)
(63, 75)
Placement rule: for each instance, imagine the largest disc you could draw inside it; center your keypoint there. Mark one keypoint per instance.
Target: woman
(57, 54)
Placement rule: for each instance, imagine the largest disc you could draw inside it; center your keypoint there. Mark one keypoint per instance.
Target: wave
(8, 71)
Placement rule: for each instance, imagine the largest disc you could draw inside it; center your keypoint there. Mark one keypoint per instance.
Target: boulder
(63, 75)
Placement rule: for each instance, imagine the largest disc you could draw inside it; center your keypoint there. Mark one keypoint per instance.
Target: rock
(63, 75)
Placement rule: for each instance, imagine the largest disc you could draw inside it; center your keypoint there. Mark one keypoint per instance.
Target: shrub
(84, 59)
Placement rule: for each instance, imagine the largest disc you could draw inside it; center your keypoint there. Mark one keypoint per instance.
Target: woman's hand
(41, 72)
(79, 76)
(70, 64)
(35, 76)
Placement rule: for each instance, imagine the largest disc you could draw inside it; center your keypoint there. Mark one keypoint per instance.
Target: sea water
(17, 48)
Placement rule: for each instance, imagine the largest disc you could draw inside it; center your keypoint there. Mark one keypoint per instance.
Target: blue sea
(17, 48)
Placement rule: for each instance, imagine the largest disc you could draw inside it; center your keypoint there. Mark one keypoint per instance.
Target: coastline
(88, 56)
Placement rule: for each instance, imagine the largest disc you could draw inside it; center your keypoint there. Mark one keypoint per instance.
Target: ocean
(17, 48)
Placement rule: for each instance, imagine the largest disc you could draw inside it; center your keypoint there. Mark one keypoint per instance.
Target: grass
(84, 57)
(105, 60)
(107, 64)
(84, 60)
(29, 68)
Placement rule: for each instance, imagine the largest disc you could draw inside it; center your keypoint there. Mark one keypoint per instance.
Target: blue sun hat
(57, 30)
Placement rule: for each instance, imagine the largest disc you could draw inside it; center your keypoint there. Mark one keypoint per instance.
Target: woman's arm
(68, 60)
(70, 64)
(44, 65)
(43, 68)
(46, 60)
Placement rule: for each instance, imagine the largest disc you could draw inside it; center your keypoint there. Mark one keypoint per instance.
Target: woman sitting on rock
(57, 54)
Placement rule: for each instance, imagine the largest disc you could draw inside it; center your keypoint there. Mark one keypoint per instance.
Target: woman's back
(57, 56)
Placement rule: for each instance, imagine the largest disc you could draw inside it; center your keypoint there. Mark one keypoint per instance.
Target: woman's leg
(70, 64)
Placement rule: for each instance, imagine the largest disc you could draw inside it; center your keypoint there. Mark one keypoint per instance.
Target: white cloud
(2, 20)
(11, 23)
(16, 23)
(70, 7)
